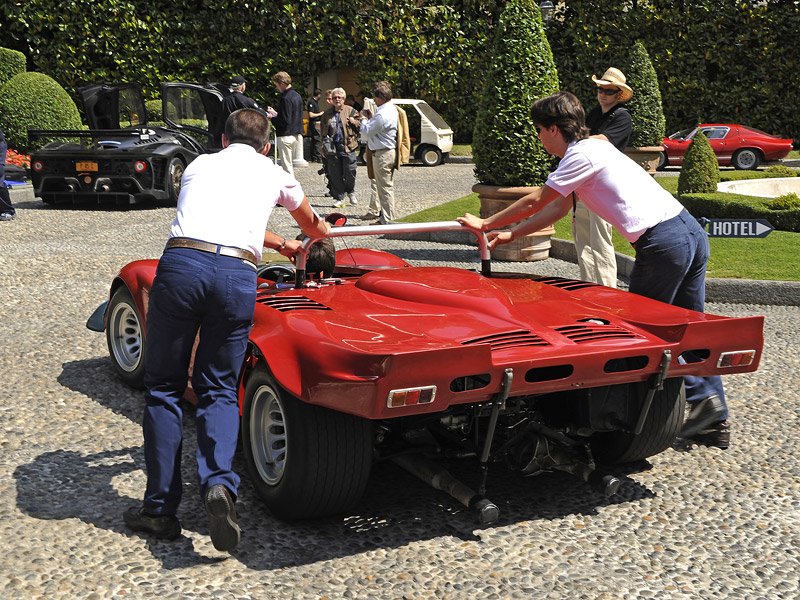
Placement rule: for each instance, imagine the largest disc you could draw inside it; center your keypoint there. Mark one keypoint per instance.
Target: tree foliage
(505, 147)
(646, 111)
(700, 172)
(12, 62)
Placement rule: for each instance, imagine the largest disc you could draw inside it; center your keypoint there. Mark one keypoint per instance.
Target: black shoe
(717, 435)
(163, 527)
(223, 524)
(702, 415)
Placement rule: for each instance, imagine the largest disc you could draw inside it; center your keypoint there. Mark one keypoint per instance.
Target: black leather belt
(182, 242)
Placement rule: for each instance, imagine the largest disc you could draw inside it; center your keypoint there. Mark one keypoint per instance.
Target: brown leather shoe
(163, 527)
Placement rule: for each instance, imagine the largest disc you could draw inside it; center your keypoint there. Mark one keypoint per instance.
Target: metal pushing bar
(499, 399)
(360, 230)
(656, 383)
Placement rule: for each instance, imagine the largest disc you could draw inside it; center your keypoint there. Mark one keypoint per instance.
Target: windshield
(432, 116)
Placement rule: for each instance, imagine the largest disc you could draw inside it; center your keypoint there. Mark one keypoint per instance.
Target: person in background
(611, 121)
(671, 247)
(237, 99)
(7, 211)
(314, 114)
(288, 123)
(206, 282)
(340, 142)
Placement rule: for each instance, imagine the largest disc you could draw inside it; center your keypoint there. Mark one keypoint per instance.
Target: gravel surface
(698, 524)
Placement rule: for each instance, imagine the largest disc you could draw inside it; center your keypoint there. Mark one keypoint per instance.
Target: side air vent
(289, 303)
(566, 284)
(509, 339)
(592, 332)
(148, 140)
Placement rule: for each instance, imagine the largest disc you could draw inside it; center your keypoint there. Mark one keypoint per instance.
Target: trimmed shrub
(505, 147)
(647, 112)
(153, 108)
(779, 171)
(739, 206)
(790, 201)
(34, 101)
(700, 172)
(11, 63)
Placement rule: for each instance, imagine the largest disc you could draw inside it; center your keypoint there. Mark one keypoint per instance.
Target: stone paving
(699, 524)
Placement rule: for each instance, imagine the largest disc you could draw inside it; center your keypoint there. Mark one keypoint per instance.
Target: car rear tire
(430, 155)
(746, 159)
(125, 338)
(663, 423)
(175, 171)
(662, 162)
(305, 461)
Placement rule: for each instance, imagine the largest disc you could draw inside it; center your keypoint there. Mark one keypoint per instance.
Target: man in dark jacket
(288, 123)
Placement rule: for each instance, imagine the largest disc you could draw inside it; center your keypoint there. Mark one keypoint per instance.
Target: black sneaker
(702, 415)
(163, 527)
(223, 524)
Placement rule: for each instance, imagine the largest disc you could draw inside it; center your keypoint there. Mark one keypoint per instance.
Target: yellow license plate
(83, 167)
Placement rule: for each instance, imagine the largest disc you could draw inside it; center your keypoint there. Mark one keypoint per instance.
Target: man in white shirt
(206, 281)
(380, 132)
(671, 248)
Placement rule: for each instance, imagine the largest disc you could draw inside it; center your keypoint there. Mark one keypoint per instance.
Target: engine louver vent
(149, 140)
(566, 284)
(289, 303)
(591, 333)
(509, 339)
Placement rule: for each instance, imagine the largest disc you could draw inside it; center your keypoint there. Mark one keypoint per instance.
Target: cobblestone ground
(699, 524)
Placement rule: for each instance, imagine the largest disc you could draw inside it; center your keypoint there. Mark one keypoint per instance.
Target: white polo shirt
(227, 198)
(613, 186)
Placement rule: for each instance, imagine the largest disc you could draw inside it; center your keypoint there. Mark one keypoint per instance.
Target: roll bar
(360, 230)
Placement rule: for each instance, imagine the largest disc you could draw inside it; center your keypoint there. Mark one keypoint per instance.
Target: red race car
(735, 145)
(388, 361)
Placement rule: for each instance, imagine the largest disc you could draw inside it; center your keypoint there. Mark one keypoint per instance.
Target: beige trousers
(382, 197)
(596, 258)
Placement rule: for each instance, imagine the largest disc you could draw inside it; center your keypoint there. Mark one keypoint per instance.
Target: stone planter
(532, 247)
(645, 156)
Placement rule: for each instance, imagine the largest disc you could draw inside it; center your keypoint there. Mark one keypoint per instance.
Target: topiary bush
(779, 171)
(11, 63)
(34, 101)
(647, 112)
(790, 201)
(700, 171)
(505, 147)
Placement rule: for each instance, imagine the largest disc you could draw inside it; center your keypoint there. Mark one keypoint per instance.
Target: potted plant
(508, 155)
(647, 112)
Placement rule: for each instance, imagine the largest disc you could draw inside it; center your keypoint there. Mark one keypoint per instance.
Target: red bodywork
(725, 140)
(386, 326)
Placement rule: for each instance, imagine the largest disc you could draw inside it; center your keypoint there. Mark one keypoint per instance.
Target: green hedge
(737, 206)
(700, 171)
(12, 63)
(34, 101)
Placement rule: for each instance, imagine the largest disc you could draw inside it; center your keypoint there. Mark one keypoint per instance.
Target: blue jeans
(670, 266)
(214, 294)
(5, 198)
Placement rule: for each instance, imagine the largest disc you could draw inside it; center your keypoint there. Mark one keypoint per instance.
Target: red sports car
(388, 361)
(736, 145)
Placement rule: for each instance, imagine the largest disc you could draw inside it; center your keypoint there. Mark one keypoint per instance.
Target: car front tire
(662, 162)
(305, 461)
(430, 156)
(125, 338)
(746, 159)
(662, 425)
(175, 171)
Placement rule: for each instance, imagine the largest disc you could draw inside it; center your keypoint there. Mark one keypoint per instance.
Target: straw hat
(615, 77)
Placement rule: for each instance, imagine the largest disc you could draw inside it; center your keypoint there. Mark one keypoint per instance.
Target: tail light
(140, 166)
(411, 396)
(37, 166)
(739, 358)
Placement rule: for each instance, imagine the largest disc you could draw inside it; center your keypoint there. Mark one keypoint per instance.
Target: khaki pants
(382, 198)
(290, 150)
(596, 258)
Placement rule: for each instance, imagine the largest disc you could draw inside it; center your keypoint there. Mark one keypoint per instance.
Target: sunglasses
(607, 92)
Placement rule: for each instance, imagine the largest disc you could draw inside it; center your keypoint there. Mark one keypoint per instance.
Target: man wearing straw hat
(611, 121)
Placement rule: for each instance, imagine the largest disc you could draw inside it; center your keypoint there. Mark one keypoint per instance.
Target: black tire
(175, 171)
(660, 428)
(662, 162)
(125, 338)
(746, 159)
(430, 155)
(305, 461)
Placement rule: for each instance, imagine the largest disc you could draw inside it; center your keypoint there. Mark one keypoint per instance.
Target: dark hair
(382, 90)
(563, 110)
(248, 126)
(317, 92)
(321, 258)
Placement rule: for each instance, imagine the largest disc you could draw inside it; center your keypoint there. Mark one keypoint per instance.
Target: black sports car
(120, 158)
